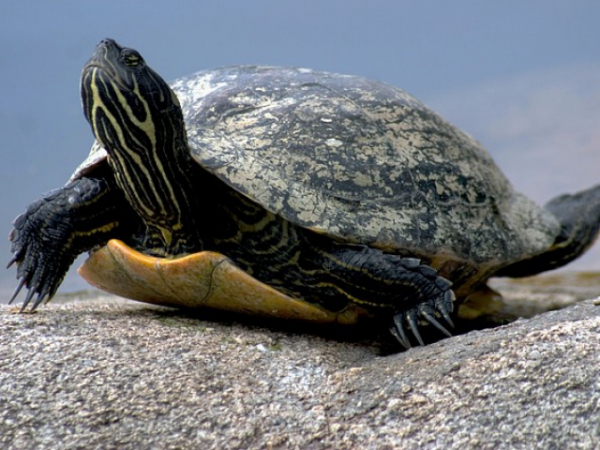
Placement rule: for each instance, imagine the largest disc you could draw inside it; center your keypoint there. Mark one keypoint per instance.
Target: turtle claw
(446, 306)
(411, 317)
(432, 320)
(399, 333)
(38, 301)
(28, 298)
(17, 289)
(429, 311)
(41, 291)
(11, 262)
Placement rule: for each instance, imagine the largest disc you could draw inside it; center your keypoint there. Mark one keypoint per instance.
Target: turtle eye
(131, 58)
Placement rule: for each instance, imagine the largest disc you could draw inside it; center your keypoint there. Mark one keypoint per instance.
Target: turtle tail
(579, 215)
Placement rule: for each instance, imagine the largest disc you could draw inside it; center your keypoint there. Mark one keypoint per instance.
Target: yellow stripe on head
(136, 116)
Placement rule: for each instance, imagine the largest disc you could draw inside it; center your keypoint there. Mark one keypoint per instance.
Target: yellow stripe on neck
(167, 236)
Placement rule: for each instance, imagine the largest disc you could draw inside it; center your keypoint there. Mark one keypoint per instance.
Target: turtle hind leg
(411, 292)
(579, 216)
(442, 306)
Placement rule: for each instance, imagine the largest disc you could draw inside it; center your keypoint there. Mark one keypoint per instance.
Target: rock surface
(110, 373)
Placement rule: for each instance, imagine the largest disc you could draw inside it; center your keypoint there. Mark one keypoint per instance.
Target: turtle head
(137, 118)
(125, 100)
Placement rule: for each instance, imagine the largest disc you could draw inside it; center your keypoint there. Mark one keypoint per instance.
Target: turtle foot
(427, 312)
(47, 238)
(39, 244)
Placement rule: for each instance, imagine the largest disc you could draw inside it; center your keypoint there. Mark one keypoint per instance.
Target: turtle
(286, 192)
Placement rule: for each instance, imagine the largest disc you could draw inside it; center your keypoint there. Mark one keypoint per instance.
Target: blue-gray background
(523, 76)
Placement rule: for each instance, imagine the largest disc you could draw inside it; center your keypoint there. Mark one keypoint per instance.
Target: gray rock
(108, 373)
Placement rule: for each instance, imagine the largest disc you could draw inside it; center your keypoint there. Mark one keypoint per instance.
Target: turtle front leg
(411, 291)
(55, 229)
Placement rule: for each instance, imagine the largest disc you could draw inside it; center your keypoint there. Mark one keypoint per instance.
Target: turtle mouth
(91, 65)
(104, 65)
(98, 70)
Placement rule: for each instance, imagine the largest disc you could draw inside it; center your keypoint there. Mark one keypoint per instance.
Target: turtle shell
(358, 160)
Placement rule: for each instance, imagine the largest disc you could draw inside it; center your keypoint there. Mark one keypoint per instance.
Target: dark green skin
(203, 212)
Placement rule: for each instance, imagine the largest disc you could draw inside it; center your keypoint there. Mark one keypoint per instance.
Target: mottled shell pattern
(356, 159)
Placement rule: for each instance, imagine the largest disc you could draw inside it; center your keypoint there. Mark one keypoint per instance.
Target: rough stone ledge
(108, 373)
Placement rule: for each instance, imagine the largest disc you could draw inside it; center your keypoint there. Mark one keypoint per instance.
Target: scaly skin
(55, 229)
